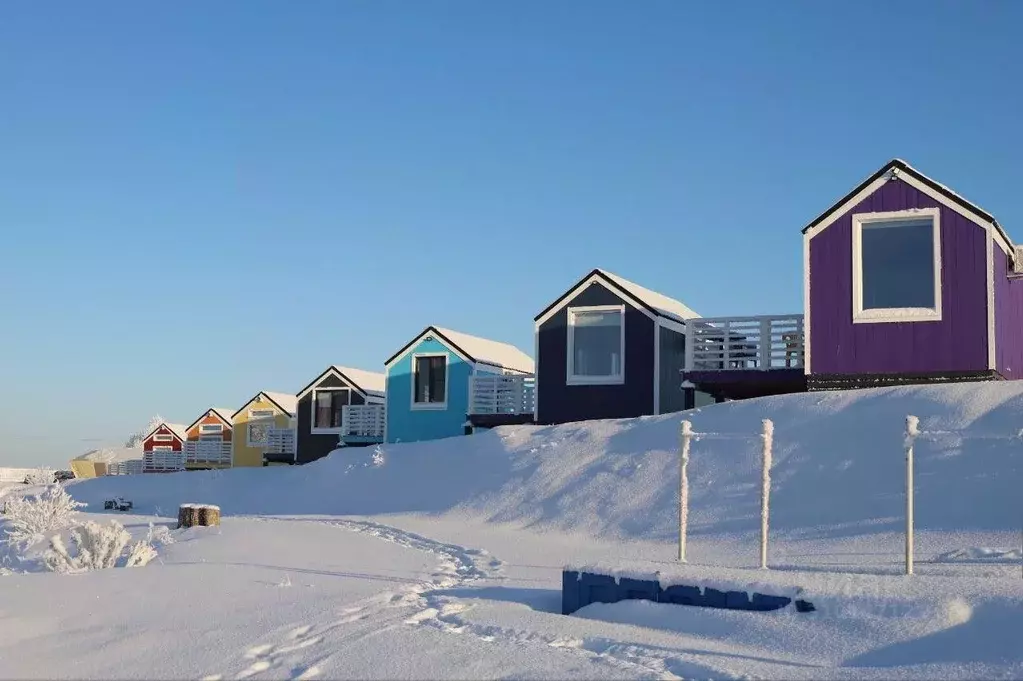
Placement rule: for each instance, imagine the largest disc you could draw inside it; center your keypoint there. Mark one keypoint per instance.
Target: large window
(429, 381)
(897, 266)
(260, 423)
(327, 405)
(596, 344)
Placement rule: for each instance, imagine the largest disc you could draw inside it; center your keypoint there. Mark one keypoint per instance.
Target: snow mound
(838, 471)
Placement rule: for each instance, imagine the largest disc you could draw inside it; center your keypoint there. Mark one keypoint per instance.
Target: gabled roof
(475, 349)
(370, 383)
(283, 401)
(943, 194)
(111, 454)
(220, 412)
(178, 429)
(655, 303)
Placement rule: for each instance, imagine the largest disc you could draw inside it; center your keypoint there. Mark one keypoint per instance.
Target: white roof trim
(842, 209)
(637, 296)
(419, 339)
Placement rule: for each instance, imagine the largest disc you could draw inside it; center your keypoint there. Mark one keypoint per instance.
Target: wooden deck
(743, 357)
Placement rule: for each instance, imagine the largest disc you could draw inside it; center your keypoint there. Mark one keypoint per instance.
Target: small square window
(897, 266)
(596, 345)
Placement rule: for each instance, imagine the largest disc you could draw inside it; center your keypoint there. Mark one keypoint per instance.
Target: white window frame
(209, 428)
(430, 406)
(891, 315)
(163, 437)
(313, 430)
(163, 448)
(255, 417)
(570, 377)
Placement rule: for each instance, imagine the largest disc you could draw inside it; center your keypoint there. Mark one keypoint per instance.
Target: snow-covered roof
(665, 306)
(111, 454)
(489, 352)
(285, 401)
(178, 429)
(372, 382)
(224, 413)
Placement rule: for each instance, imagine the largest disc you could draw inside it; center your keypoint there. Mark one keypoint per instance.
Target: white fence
(280, 441)
(363, 420)
(162, 461)
(502, 394)
(208, 452)
(735, 343)
(129, 467)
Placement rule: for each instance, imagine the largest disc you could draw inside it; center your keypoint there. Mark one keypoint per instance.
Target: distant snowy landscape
(443, 559)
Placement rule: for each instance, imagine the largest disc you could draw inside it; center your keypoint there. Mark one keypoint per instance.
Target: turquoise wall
(409, 425)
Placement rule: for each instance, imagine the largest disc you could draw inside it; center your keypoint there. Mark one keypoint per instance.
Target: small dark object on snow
(117, 503)
(201, 515)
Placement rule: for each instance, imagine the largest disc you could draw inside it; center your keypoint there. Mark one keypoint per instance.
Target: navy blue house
(610, 348)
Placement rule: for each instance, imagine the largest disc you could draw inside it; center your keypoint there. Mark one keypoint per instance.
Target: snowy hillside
(838, 471)
(448, 561)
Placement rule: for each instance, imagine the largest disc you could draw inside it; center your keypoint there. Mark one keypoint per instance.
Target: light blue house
(444, 383)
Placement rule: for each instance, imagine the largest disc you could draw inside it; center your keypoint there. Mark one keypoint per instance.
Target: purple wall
(957, 343)
(1008, 319)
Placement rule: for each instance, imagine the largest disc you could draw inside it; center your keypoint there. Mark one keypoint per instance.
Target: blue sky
(199, 201)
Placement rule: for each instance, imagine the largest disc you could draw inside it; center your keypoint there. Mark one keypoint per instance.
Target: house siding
(408, 425)
(242, 453)
(150, 442)
(561, 403)
(673, 361)
(1008, 319)
(193, 432)
(956, 343)
(313, 446)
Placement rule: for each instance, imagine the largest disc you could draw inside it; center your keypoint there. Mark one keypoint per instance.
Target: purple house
(904, 282)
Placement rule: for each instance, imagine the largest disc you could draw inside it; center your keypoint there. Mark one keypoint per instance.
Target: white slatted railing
(129, 467)
(363, 420)
(161, 461)
(204, 452)
(752, 343)
(280, 441)
(502, 394)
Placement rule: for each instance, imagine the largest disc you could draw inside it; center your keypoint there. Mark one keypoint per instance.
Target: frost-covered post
(767, 441)
(683, 489)
(912, 431)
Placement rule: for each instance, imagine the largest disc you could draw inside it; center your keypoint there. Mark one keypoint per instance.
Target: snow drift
(838, 470)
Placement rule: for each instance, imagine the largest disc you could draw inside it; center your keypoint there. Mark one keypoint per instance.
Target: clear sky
(201, 200)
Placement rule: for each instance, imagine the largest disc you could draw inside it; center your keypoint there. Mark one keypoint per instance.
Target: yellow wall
(243, 454)
(84, 468)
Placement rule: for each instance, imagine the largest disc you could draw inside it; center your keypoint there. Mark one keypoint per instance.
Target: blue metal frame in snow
(579, 589)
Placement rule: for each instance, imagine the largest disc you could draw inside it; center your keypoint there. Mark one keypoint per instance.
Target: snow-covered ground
(443, 559)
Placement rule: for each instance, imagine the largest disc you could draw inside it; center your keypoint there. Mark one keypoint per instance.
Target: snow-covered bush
(98, 547)
(41, 476)
(30, 518)
(136, 438)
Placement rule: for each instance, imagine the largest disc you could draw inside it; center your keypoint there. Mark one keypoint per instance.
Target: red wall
(149, 443)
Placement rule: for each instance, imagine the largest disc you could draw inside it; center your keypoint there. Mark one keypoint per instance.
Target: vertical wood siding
(957, 343)
(174, 443)
(673, 360)
(310, 446)
(561, 403)
(1008, 319)
(193, 432)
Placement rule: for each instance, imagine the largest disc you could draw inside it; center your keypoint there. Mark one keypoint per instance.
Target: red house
(162, 449)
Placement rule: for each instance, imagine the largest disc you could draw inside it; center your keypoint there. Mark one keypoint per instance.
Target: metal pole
(912, 431)
(683, 489)
(767, 439)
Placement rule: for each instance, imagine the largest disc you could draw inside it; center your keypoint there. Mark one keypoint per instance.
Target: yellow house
(264, 430)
